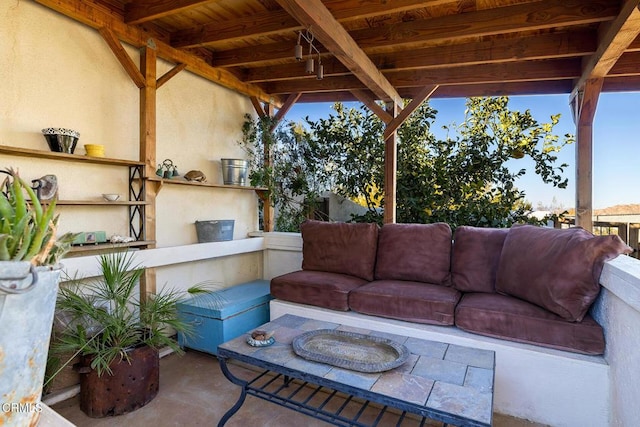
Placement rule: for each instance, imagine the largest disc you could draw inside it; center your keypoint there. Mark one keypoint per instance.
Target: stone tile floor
(193, 392)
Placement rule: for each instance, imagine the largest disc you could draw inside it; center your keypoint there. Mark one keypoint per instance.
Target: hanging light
(309, 65)
(298, 48)
(320, 71)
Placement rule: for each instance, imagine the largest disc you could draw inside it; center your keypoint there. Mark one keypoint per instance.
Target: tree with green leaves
(466, 179)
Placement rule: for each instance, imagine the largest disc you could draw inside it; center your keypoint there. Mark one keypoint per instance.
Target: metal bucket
(27, 303)
(234, 171)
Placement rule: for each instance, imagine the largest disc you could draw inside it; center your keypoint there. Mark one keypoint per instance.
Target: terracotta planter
(130, 387)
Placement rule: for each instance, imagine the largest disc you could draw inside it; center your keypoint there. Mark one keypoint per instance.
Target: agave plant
(28, 227)
(104, 318)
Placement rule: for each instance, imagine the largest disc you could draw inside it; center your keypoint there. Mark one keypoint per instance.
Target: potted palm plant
(118, 334)
(29, 276)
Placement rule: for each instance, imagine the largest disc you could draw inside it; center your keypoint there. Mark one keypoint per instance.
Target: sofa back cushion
(339, 248)
(475, 258)
(556, 269)
(416, 252)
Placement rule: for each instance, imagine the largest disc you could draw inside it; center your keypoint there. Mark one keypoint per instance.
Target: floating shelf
(106, 247)
(26, 152)
(100, 203)
(179, 181)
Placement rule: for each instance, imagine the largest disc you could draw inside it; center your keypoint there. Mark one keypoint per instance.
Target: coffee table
(443, 382)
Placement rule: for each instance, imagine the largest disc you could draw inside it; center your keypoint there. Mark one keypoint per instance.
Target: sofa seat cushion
(414, 252)
(405, 300)
(339, 248)
(319, 288)
(475, 258)
(556, 269)
(509, 318)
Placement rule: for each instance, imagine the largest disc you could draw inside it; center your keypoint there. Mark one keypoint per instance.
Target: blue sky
(616, 150)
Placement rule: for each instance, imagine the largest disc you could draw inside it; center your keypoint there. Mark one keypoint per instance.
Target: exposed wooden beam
(314, 15)
(400, 118)
(545, 46)
(615, 37)
(556, 69)
(86, 12)
(147, 10)
(169, 74)
(372, 104)
(288, 103)
(423, 33)
(258, 107)
(269, 23)
(122, 56)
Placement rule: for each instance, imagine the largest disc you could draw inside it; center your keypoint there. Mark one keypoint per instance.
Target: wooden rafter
(95, 17)
(143, 11)
(547, 46)
(313, 14)
(555, 69)
(280, 22)
(420, 33)
(615, 38)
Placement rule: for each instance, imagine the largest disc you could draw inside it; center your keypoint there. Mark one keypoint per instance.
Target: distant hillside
(632, 209)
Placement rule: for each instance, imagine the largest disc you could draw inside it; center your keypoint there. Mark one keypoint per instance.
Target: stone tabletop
(439, 377)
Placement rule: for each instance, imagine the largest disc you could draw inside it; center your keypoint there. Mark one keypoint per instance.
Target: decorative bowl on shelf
(94, 150)
(110, 197)
(61, 140)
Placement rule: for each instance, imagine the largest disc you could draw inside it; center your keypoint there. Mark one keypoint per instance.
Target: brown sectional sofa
(526, 284)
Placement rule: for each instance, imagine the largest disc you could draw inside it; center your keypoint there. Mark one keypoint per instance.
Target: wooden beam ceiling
(381, 49)
(317, 18)
(615, 38)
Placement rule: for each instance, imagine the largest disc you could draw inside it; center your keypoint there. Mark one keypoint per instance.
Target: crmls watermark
(21, 407)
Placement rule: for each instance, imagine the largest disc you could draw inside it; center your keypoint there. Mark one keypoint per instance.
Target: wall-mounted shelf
(100, 203)
(52, 155)
(89, 249)
(136, 202)
(182, 181)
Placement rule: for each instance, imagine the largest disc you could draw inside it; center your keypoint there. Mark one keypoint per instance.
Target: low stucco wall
(618, 311)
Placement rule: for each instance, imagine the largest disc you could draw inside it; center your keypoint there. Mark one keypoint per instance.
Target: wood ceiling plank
(418, 34)
(547, 46)
(615, 38)
(86, 12)
(147, 10)
(313, 14)
(280, 22)
(522, 17)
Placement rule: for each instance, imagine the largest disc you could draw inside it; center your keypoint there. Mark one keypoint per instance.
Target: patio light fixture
(310, 63)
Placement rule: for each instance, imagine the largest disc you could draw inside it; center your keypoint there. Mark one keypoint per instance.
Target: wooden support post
(390, 170)
(584, 108)
(148, 153)
(268, 213)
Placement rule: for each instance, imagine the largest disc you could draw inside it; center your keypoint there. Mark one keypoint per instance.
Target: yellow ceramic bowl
(94, 150)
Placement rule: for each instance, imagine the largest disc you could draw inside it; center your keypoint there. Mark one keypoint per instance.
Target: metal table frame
(285, 393)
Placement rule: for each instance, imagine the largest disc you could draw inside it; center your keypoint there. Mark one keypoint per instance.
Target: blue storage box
(226, 315)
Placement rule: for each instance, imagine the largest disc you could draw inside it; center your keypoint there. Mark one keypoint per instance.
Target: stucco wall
(618, 311)
(56, 72)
